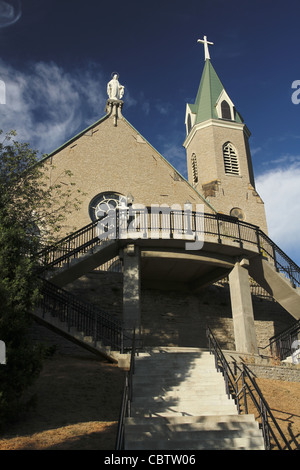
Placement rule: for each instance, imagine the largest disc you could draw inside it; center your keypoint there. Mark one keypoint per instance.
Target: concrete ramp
(276, 284)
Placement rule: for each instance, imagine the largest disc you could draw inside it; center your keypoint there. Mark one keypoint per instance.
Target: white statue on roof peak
(115, 91)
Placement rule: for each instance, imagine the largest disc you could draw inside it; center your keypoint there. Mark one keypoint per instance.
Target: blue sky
(56, 57)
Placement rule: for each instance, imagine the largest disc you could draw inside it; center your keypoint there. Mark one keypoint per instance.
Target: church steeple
(212, 100)
(218, 154)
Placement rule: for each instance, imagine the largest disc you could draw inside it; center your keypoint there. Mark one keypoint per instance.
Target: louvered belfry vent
(231, 163)
(194, 169)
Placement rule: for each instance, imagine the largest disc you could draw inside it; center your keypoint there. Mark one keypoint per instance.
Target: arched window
(225, 110)
(194, 169)
(230, 157)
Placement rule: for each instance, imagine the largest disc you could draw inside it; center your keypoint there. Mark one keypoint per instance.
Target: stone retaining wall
(279, 372)
(178, 317)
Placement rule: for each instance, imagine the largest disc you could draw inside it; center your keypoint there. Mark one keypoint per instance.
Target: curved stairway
(180, 403)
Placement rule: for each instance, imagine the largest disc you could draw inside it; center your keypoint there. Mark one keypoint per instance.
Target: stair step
(74, 333)
(180, 402)
(190, 357)
(189, 433)
(170, 430)
(182, 369)
(183, 409)
(161, 375)
(208, 419)
(183, 365)
(177, 381)
(234, 443)
(88, 339)
(148, 400)
(164, 350)
(197, 391)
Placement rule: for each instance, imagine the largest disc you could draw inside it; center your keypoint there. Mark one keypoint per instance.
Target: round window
(101, 204)
(238, 213)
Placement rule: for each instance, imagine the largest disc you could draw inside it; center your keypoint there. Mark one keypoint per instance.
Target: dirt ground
(283, 399)
(79, 399)
(77, 408)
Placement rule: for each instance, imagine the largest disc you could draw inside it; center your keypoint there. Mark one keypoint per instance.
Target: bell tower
(218, 154)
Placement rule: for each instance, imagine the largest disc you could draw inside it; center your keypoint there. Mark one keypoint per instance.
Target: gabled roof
(129, 124)
(75, 137)
(209, 91)
(170, 164)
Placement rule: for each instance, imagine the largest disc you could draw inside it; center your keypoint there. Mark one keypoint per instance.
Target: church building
(163, 286)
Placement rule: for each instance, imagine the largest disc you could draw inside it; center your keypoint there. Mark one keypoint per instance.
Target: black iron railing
(282, 344)
(70, 247)
(83, 316)
(280, 260)
(174, 224)
(125, 410)
(242, 387)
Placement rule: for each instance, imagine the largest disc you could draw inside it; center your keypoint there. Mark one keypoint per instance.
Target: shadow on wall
(180, 319)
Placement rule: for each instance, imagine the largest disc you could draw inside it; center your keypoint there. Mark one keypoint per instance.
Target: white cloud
(285, 159)
(163, 108)
(146, 107)
(280, 190)
(46, 105)
(10, 12)
(255, 150)
(176, 155)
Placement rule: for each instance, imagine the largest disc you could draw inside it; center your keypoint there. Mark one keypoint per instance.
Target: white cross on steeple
(206, 42)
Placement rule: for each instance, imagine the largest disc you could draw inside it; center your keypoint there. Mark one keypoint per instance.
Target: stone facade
(180, 318)
(225, 191)
(116, 158)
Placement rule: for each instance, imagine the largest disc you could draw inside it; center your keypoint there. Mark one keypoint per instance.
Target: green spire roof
(209, 91)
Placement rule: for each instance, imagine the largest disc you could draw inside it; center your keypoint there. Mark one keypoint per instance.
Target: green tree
(31, 211)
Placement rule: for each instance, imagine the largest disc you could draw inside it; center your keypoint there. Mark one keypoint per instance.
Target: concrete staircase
(276, 284)
(83, 263)
(180, 402)
(79, 337)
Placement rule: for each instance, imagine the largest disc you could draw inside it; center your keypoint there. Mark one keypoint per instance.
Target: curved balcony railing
(172, 224)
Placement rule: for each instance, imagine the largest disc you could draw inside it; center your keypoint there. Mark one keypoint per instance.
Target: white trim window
(226, 110)
(225, 107)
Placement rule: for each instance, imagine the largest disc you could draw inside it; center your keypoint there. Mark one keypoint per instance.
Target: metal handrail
(69, 247)
(125, 410)
(280, 345)
(249, 385)
(170, 226)
(222, 364)
(284, 340)
(264, 411)
(82, 315)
